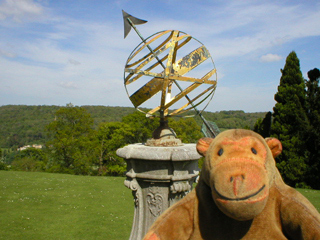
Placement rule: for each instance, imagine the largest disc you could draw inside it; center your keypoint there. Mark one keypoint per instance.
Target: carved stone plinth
(158, 177)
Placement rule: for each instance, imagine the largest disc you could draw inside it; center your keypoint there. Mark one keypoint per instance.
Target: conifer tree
(313, 133)
(263, 126)
(290, 122)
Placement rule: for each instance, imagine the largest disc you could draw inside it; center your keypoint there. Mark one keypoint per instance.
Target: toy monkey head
(239, 168)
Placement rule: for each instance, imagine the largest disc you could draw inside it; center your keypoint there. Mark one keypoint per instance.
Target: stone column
(158, 178)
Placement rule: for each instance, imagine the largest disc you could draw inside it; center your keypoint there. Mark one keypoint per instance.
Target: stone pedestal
(158, 178)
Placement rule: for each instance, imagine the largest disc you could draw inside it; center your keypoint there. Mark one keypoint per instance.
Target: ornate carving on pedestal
(178, 187)
(134, 186)
(155, 202)
(131, 184)
(138, 212)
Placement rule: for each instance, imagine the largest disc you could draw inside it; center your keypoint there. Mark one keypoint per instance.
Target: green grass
(60, 206)
(313, 196)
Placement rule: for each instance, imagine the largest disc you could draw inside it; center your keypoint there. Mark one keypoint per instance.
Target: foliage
(142, 127)
(28, 165)
(109, 137)
(78, 142)
(33, 153)
(3, 165)
(30, 159)
(296, 123)
(186, 129)
(263, 126)
(290, 122)
(232, 119)
(22, 125)
(313, 131)
(115, 170)
(71, 133)
(102, 114)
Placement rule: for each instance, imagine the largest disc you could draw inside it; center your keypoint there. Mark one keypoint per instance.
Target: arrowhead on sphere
(134, 20)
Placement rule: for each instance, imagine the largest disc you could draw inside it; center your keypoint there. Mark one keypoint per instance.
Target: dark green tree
(30, 159)
(263, 126)
(3, 165)
(71, 145)
(109, 137)
(186, 129)
(290, 122)
(143, 126)
(313, 132)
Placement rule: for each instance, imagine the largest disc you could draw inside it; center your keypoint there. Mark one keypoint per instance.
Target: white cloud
(68, 85)
(270, 58)
(7, 53)
(74, 62)
(238, 28)
(18, 9)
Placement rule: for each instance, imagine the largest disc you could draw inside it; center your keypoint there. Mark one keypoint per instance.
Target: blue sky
(54, 52)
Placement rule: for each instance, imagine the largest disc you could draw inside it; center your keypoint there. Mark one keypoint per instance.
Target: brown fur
(240, 195)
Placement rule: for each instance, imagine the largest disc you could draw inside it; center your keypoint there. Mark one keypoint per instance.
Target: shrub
(115, 170)
(59, 169)
(24, 164)
(3, 166)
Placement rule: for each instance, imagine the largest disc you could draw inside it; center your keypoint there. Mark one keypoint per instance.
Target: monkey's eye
(220, 152)
(254, 151)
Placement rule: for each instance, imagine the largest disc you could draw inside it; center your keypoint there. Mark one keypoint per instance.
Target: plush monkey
(240, 195)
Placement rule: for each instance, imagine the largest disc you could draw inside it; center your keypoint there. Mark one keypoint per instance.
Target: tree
(109, 137)
(313, 132)
(143, 126)
(71, 146)
(3, 166)
(186, 129)
(290, 122)
(263, 126)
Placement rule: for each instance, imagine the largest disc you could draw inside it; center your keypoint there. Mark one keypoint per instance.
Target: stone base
(164, 142)
(158, 178)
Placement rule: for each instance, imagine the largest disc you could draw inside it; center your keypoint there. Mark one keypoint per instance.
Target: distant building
(38, 146)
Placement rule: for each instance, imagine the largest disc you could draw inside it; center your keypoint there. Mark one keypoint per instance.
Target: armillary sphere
(170, 69)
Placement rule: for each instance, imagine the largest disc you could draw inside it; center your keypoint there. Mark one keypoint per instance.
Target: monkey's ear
(203, 145)
(275, 146)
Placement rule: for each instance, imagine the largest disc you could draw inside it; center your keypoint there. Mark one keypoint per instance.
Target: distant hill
(21, 124)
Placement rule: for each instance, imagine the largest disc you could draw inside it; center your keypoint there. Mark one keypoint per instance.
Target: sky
(55, 52)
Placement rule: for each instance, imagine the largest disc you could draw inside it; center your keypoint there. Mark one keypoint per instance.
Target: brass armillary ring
(165, 69)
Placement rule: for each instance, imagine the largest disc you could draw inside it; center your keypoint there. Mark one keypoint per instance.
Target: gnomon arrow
(127, 25)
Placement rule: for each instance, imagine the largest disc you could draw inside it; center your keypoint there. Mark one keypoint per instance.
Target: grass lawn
(313, 196)
(60, 206)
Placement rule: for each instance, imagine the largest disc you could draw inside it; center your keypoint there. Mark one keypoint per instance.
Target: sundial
(168, 74)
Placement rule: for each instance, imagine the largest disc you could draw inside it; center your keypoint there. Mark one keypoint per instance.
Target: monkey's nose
(237, 182)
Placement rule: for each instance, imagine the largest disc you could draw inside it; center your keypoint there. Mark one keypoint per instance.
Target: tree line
(22, 125)
(83, 140)
(75, 146)
(295, 121)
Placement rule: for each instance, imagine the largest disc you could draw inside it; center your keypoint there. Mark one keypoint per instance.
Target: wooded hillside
(21, 124)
